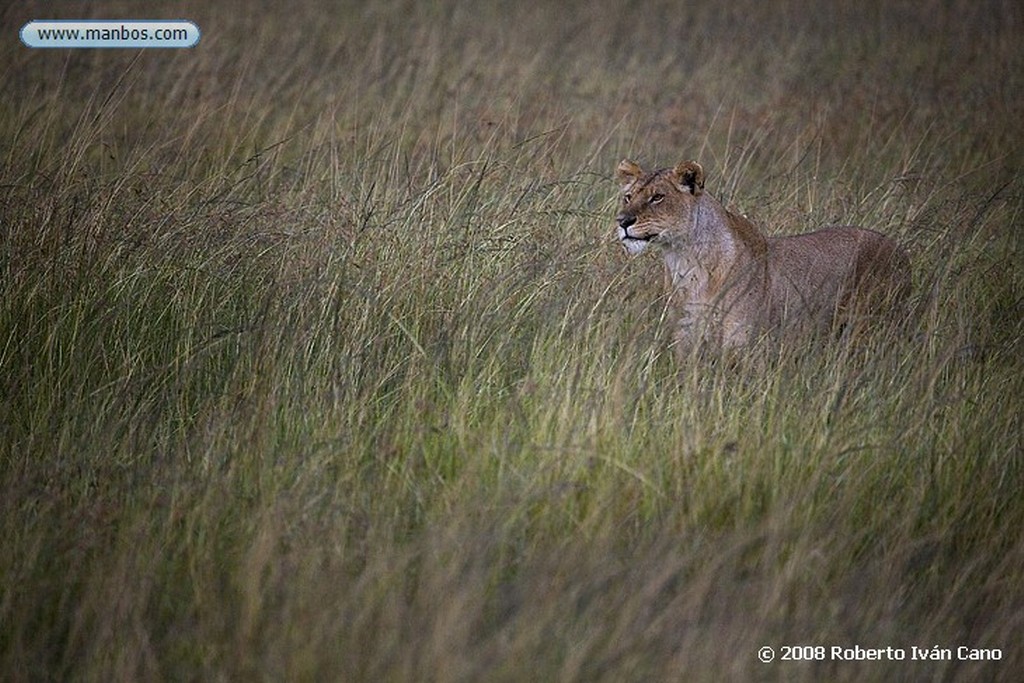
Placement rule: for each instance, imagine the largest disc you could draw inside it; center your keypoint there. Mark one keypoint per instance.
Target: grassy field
(319, 360)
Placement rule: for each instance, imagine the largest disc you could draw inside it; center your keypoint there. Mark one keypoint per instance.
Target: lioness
(730, 284)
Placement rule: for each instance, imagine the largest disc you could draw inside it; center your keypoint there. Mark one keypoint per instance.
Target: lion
(731, 285)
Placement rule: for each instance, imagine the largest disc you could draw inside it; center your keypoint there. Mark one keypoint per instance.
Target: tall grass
(318, 359)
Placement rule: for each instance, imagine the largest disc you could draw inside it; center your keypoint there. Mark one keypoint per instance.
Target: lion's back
(826, 271)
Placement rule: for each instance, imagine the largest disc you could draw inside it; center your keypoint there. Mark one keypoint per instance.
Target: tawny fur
(730, 284)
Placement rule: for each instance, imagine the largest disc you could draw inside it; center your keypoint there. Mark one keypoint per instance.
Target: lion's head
(655, 205)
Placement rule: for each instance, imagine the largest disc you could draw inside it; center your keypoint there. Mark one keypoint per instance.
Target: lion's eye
(626, 198)
(656, 198)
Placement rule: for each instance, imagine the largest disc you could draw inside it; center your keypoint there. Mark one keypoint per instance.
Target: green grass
(318, 360)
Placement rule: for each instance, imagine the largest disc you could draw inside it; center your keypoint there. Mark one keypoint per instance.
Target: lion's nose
(626, 221)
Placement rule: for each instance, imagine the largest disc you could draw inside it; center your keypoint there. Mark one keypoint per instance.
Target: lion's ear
(691, 176)
(627, 172)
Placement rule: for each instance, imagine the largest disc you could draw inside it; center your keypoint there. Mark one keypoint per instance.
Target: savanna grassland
(319, 360)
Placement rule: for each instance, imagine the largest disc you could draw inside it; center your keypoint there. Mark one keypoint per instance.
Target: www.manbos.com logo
(64, 33)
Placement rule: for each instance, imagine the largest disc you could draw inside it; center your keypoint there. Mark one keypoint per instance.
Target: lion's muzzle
(633, 244)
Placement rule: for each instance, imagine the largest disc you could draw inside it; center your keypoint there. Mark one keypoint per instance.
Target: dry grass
(318, 361)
